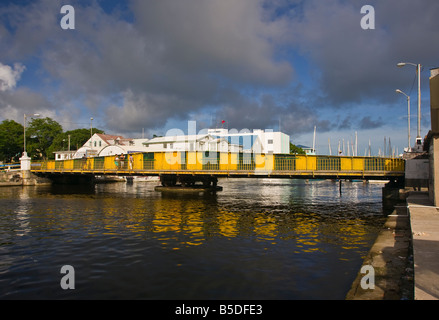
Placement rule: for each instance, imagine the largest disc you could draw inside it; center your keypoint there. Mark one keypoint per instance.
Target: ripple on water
(256, 239)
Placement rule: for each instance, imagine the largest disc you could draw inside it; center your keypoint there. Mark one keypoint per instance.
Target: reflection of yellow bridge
(218, 164)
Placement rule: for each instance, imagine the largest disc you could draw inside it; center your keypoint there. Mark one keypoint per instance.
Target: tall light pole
(418, 71)
(24, 130)
(408, 116)
(91, 127)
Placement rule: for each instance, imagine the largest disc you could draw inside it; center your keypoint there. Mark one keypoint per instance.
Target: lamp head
(399, 91)
(401, 64)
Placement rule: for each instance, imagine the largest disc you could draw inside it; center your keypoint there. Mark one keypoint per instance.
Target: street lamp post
(25, 160)
(418, 71)
(24, 130)
(91, 127)
(408, 116)
(91, 134)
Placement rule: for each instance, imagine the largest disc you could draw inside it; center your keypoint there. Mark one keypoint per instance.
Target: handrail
(226, 162)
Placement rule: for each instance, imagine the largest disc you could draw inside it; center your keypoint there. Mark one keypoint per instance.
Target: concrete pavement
(424, 221)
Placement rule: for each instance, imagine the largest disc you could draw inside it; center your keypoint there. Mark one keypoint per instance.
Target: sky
(143, 67)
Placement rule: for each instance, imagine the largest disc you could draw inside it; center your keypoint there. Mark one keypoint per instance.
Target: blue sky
(146, 65)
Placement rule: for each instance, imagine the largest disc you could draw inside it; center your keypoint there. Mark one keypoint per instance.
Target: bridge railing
(9, 166)
(224, 162)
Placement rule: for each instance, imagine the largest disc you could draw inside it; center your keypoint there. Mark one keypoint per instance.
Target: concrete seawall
(11, 178)
(392, 261)
(21, 178)
(405, 254)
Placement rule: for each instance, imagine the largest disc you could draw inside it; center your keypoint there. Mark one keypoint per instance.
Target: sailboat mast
(314, 141)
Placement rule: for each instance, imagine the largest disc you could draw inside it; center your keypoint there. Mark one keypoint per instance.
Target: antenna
(385, 148)
(356, 144)
(329, 146)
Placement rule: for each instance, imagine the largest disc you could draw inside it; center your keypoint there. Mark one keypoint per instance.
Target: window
(165, 145)
(100, 143)
(95, 143)
(270, 141)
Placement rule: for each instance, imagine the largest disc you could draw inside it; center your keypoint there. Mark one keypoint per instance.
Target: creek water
(256, 239)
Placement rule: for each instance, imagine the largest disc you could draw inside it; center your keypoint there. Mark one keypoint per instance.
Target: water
(256, 239)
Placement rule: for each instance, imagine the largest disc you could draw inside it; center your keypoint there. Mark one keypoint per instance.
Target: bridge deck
(230, 165)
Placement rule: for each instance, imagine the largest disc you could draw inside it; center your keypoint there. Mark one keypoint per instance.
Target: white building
(111, 150)
(64, 155)
(204, 142)
(258, 141)
(216, 140)
(308, 150)
(93, 146)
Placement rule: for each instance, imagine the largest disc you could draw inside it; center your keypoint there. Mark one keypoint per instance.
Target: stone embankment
(20, 178)
(391, 257)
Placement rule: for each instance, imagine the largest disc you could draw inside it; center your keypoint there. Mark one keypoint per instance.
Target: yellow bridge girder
(223, 164)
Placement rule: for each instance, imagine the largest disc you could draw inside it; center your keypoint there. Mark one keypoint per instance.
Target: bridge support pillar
(172, 182)
(71, 179)
(392, 192)
(25, 169)
(25, 162)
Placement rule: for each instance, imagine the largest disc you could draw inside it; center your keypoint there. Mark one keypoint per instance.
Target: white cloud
(9, 76)
(228, 38)
(167, 61)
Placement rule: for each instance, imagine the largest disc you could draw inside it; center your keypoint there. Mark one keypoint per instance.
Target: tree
(77, 139)
(41, 133)
(295, 149)
(11, 141)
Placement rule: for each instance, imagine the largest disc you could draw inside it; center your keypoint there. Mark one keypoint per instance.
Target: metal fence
(285, 163)
(328, 163)
(209, 161)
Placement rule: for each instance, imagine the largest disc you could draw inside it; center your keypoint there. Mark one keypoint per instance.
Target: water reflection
(307, 213)
(21, 214)
(278, 231)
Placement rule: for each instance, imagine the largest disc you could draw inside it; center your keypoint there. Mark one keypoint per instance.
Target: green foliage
(295, 149)
(43, 137)
(11, 141)
(40, 135)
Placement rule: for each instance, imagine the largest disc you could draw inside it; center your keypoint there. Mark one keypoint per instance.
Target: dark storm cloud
(172, 59)
(346, 123)
(368, 123)
(267, 113)
(175, 59)
(356, 64)
(227, 38)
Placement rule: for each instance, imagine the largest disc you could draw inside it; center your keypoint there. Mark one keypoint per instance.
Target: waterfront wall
(433, 188)
(21, 178)
(433, 137)
(417, 173)
(10, 178)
